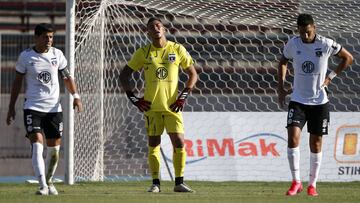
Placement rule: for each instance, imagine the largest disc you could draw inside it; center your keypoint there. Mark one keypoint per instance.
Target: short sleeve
(335, 48)
(185, 58)
(20, 64)
(62, 60)
(287, 52)
(137, 60)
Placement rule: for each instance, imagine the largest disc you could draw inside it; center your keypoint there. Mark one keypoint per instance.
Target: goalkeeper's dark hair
(43, 28)
(305, 19)
(152, 19)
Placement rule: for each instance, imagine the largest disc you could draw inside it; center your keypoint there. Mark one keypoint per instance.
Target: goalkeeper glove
(140, 103)
(180, 102)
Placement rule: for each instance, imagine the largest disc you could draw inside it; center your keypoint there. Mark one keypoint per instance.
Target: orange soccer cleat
(311, 190)
(295, 188)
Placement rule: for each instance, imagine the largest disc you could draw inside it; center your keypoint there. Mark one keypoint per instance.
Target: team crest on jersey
(53, 61)
(308, 67)
(44, 77)
(172, 58)
(161, 73)
(318, 52)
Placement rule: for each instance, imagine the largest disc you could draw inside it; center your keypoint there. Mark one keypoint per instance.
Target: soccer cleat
(182, 188)
(311, 190)
(154, 188)
(42, 191)
(295, 188)
(52, 190)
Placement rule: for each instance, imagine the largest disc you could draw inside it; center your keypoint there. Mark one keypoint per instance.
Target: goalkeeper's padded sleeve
(180, 102)
(140, 103)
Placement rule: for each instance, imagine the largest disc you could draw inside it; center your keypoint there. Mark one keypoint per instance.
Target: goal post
(69, 112)
(236, 46)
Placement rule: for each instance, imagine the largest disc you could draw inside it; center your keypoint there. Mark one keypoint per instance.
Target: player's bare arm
(16, 87)
(282, 69)
(124, 78)
(346, 60)
(140, 103)
(193, 77)
(71, 87)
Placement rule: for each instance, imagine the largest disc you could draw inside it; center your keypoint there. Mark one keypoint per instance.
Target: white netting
(236, 46)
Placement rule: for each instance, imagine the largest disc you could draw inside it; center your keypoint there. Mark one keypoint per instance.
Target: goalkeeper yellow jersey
(161, 70)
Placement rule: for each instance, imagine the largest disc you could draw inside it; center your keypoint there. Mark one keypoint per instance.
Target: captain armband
(65, 73)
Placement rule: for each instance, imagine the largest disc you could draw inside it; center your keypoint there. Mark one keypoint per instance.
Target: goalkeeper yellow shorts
(157, 121)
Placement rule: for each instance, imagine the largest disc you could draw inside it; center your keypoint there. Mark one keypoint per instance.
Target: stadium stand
(24, 15)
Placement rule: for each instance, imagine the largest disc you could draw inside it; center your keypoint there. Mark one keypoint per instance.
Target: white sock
(315, 162)
(294, 162)
(52, 159)
(38, 163)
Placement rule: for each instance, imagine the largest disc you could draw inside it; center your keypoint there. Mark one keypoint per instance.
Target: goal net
(236, 45)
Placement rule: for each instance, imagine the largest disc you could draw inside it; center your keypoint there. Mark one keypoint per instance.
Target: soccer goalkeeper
(161, 103)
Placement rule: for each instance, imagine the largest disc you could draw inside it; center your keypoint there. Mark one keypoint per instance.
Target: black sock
(179, 180)
(156, 181)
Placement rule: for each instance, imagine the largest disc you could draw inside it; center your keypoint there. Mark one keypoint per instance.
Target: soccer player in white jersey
(40, 66)
(309, 53)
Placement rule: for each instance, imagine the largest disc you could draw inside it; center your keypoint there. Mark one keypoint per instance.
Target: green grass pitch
(223, 192)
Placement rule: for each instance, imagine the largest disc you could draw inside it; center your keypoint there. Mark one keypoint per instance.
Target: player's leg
(293, 152)
(315, 142)
(32, 120)
(53, 128)
(295, 122)
(317, 127)
(52, 160)
(175, 129)
(155, 127)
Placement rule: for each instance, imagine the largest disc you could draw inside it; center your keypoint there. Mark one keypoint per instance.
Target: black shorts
(49, 124)
(316, 116)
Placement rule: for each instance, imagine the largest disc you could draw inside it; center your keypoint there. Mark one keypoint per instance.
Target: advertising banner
(252, 146)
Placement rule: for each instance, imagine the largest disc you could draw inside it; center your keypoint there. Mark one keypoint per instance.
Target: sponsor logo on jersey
(44, 77)
(171, 58)
(308, 67)
(161, 73)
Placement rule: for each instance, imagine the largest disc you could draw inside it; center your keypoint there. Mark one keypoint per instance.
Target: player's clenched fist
(140, 103)
(180, 102)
